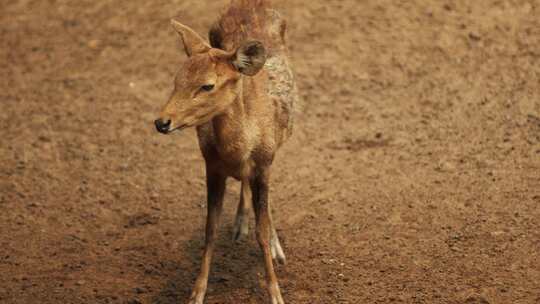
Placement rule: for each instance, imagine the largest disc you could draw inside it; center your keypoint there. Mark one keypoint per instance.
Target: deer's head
(208, 81)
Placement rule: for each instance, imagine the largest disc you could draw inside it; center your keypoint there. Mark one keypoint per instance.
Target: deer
(239, 92)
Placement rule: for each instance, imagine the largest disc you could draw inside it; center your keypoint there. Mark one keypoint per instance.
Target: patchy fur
(239, 91)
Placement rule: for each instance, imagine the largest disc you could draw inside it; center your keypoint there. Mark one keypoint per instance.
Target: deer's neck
(231, 128)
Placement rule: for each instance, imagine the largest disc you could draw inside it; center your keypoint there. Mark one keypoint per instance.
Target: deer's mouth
(179, 128)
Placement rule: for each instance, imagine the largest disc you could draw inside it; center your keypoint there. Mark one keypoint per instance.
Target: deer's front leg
(215, 184)
(259, 188)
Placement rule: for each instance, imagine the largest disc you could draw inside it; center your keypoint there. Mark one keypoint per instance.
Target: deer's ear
(193, 43)
(249, 58)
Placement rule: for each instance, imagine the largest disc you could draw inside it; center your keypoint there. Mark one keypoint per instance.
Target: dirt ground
(413, 175)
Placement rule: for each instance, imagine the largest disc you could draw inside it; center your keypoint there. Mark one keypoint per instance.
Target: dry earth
(413, 175)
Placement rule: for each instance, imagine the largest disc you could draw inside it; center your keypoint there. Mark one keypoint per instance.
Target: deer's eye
(207, 87)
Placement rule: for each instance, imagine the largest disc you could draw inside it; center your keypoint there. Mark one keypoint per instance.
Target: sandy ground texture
(413, 175)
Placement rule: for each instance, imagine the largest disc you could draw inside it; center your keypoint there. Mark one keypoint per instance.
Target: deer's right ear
(193, 43)
(250, 57)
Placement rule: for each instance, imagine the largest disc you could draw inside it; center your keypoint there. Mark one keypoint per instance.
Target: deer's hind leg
(241, 223)
(275, 245)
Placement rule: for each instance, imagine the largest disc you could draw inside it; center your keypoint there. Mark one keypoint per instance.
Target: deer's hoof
(240, 231)
(277, 251)
(275, 295)
(196, 301)
(197, 297)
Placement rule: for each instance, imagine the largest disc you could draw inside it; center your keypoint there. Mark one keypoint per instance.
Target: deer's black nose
(162, 126)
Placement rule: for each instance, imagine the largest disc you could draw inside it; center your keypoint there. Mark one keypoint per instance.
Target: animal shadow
(236, 269)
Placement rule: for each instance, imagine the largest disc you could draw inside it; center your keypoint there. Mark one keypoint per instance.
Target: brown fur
(241, 122)
(242, 20)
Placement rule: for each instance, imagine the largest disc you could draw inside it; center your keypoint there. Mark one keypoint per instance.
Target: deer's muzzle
(162, 126)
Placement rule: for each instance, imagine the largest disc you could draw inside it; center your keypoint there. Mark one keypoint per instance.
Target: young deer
(238, 91)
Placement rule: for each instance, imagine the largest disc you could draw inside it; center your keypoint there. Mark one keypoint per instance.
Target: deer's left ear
(249, 58)
(193, 43)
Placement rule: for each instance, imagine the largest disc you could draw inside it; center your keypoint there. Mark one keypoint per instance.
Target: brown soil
(413, 175)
